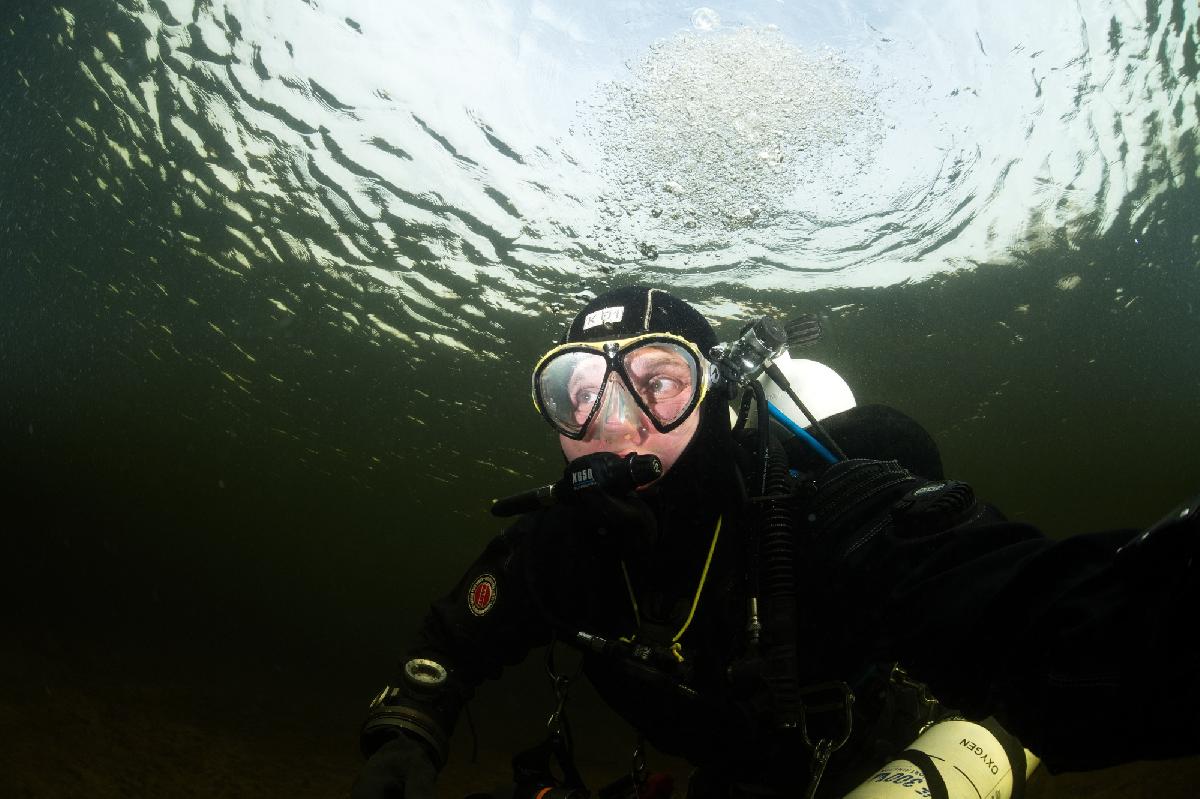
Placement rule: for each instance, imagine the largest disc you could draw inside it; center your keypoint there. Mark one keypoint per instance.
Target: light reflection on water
(467, 163)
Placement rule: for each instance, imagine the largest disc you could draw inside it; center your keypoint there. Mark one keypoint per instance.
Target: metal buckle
(824, 748)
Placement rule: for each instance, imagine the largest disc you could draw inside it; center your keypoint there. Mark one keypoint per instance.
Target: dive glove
(400, 769)
(1173, 539)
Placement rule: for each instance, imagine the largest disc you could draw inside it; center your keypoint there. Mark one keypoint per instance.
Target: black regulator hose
(764, 435)
(743, 413)
(777, 560)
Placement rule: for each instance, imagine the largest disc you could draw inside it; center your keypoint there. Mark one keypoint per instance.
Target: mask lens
(569, 386)
(666, 377)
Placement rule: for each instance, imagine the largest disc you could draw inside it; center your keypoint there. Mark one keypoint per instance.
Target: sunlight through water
(441, 170)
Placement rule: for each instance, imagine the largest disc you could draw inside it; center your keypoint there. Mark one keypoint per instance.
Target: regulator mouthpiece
(611, 473)
(606, 471)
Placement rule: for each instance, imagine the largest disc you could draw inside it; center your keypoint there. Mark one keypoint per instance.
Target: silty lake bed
(273, 275)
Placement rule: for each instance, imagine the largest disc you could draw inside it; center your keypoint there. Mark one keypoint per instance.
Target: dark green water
(237, 461)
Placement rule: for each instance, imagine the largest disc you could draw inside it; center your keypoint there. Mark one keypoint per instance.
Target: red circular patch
(482, 595)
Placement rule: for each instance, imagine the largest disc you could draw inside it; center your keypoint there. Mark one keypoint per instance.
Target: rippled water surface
(274, 273)
(462, 163)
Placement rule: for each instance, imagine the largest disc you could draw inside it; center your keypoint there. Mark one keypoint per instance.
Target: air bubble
(705, 19)
(713, 125)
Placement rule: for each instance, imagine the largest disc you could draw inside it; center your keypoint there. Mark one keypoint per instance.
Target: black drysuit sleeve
(1084, 648)
(489, 620)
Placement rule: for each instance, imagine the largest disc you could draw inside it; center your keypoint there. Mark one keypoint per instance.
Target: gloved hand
(400, 769)
(1173, 539)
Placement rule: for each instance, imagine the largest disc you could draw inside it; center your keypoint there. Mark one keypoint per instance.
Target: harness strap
(676, 648)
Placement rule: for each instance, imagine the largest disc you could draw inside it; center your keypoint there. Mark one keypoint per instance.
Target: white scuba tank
(821, 389)
(968, 761)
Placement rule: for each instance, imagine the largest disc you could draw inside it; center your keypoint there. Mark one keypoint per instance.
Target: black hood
(630, 310)
(700, 483)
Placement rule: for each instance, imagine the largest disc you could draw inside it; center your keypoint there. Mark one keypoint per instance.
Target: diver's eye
(584, 397)
(661, 387)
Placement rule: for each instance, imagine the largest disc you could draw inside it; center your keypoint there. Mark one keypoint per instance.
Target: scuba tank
(758, 366)
(951, 759)
(822, 390)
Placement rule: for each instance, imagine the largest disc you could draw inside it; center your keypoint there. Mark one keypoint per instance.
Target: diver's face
(621, 427)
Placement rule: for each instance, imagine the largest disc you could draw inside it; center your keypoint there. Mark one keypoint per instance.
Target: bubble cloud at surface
(889, 145)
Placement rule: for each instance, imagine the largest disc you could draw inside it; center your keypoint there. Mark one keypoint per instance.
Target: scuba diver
(795, 607)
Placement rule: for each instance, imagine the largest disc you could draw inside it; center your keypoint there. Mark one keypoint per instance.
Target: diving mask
(662, 375)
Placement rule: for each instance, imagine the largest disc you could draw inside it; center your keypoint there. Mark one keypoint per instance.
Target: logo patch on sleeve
(482, 595)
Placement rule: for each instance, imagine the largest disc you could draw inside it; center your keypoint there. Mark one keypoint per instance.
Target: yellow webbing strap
(675, 648)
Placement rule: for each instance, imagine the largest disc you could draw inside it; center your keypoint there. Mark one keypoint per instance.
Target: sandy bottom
(78, 723)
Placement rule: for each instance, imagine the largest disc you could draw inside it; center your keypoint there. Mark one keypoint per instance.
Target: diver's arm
(486, 622)
(1084, 648)
(1114, 672)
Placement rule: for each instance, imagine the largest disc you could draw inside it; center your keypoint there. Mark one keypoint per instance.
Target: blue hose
(801, 434)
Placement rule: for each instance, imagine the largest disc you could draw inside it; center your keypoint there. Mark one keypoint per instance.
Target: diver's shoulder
(545, 527)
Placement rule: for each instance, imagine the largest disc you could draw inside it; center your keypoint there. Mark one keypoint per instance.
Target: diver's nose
(619, 412)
